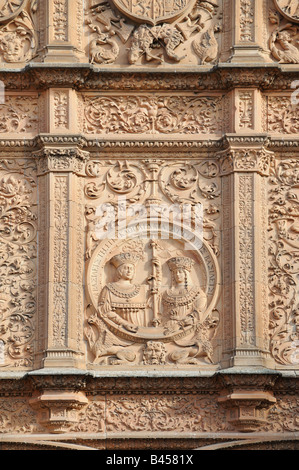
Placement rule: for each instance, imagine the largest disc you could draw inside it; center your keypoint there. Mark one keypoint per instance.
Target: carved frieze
(148, 114)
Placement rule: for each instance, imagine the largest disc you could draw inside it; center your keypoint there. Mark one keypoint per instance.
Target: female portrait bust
(183, 302)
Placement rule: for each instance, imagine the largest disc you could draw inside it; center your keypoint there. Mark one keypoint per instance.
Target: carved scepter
(156, 280)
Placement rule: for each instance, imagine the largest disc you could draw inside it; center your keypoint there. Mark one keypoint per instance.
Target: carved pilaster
(247, 31)
(244, 168)
(63, 33)
(61, 256)
(246, 111)
(62, 111)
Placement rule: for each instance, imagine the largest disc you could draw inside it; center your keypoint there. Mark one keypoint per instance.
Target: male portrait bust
(123, 301)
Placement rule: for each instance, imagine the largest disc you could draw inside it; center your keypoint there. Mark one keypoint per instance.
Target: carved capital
(68, 159)
(246, 156)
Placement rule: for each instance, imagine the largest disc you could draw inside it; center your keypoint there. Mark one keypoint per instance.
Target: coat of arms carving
(156, 32)
(152, 11)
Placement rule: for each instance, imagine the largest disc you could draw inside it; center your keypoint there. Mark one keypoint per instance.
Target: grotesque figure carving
(145, 37)
(154, 353)
(12, 47)
(287, 52)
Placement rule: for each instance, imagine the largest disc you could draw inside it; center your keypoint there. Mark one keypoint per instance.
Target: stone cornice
(87, 77)
(118, 147)
(136, 383)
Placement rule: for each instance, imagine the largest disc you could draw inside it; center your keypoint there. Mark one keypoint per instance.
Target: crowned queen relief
(148, 296)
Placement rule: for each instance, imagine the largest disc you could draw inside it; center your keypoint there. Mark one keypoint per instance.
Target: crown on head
(180, 262)
(123, 258)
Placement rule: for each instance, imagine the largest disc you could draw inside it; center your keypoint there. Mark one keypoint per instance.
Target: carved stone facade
(149, 175)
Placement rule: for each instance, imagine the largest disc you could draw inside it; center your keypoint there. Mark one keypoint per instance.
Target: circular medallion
(206, 265)
(9, 10)
(153, 11)
(289, 9)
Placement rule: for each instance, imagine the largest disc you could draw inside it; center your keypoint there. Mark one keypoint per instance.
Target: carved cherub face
(126, 271)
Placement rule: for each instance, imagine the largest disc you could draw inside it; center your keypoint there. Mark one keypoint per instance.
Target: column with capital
(245, 166)
(61, 170)
(61, 256)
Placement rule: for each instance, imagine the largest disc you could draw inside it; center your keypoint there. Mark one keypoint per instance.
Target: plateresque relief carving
(18, 36)
(19, 114)
(18, 241)
(145, 114)
(153, 32)
(152, 289)
(284, 21)
(282, 115)
(284, 268)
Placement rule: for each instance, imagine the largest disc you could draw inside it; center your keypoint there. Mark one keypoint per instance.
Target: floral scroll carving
(152, 115)
(18, 221)
(282, 115)
(284, 267)
(19, 115)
